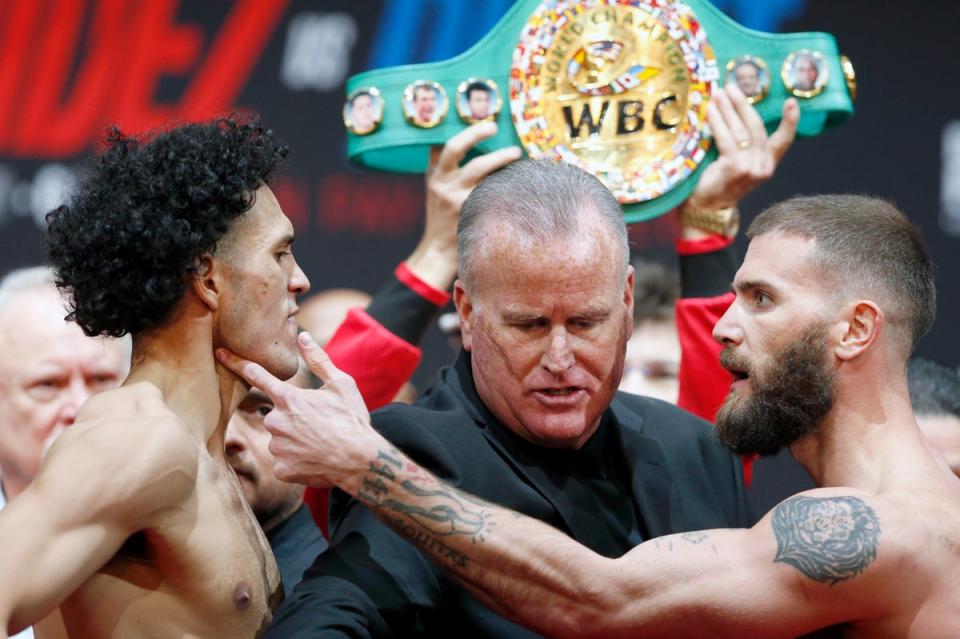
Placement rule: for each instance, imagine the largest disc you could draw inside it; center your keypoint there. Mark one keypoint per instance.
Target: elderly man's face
(547, 325)
(48, 369)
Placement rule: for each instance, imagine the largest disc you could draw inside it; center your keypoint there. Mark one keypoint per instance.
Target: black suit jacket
(371, 582)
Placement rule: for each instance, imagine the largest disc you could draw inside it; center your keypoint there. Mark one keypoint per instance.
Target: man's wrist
(698, 223)
(434, 265)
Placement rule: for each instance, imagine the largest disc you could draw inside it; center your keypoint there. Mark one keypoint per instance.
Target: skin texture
(247, 448)
(48, 370)
(874, 548)
(943, 431)
(424, 104)
(547, 343)
(157, 534)
(653, 360)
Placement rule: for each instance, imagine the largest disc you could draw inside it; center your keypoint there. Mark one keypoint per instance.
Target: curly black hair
(123, 245)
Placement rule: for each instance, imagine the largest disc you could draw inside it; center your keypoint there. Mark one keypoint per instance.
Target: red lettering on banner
(386, 206)
(129, 47)
(292, 196)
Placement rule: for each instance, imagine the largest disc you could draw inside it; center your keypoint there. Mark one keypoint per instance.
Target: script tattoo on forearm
(828, 539)
(399, 502)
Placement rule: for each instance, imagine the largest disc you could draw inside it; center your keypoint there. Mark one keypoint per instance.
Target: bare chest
(205, 569)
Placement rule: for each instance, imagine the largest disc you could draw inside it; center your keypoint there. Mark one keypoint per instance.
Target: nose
(73, 397)
(727, 330)
(299, 284)
(558, 357)
(234, 441)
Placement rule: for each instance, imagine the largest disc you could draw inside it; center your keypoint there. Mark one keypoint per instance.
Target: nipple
(242, 596)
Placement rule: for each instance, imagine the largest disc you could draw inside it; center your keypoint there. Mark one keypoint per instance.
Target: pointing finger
(253, 373)
(316, 358)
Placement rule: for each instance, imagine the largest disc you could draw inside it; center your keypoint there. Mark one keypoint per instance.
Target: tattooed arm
(811, 562)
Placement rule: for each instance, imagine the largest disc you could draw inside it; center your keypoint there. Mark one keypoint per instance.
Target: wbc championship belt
(617, 87)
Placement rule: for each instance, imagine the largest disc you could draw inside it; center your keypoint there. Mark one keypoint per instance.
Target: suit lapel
(653, 490)
(502, 440)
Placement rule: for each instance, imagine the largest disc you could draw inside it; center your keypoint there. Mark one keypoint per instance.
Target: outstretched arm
(818, 549)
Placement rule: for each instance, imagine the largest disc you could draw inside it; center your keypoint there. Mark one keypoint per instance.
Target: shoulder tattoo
(828, 539)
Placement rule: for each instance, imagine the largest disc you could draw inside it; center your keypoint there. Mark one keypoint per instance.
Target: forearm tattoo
(828, 539)
(396, 499)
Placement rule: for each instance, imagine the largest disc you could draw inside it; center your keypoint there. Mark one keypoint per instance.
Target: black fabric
(372, 583)
(708, 274)
(402, 311)
(296, 542)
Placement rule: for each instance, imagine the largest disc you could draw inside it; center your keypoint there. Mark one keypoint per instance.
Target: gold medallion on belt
(617, 88)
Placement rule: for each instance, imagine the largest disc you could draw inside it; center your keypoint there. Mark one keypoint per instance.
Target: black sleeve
(370, 582)
(402, 311)
(708, 274)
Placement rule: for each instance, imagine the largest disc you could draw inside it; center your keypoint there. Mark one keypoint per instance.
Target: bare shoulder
(128, 448)
(829, 535)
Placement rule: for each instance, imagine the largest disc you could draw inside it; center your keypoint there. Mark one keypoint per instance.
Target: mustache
(730, 360)
(241, 468)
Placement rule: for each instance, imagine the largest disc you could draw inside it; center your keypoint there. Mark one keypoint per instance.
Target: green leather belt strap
(398, 146)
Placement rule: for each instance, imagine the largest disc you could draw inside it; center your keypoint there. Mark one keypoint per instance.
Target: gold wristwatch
(724, 222)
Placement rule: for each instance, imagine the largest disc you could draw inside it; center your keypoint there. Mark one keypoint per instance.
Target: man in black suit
(528, 417)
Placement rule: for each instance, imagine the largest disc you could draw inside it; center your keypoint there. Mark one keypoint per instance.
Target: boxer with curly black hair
(135, 525)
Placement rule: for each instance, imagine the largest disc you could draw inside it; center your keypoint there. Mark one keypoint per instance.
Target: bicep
(50, 549)
(96, 487)
(806, 565)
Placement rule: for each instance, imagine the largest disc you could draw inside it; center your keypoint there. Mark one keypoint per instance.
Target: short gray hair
(540, 200)
(36, 278)
(23, 280)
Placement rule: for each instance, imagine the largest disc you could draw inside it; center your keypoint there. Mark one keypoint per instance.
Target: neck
(869, 419)
(179, 360)
(11, 486)
(281, 515)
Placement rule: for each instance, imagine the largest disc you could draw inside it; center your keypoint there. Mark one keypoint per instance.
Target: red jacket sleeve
(379, 361)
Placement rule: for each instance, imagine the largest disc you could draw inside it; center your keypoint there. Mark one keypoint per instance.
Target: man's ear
(461, 299)
(861, 325)
(206, 281)
(628, 299)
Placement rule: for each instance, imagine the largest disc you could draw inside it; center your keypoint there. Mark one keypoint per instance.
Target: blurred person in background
(48, 369)
(935, 395)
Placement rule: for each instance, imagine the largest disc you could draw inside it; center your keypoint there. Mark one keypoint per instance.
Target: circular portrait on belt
(425, 103)
(804, 73)
(363, 111)
(478, 100)
(751, 76)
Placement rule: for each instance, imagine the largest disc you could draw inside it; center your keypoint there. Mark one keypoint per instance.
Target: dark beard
(787, 401)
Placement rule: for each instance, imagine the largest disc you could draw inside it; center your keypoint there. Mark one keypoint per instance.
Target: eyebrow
(745, 286)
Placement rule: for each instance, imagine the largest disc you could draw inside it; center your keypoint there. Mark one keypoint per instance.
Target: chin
(560, 431)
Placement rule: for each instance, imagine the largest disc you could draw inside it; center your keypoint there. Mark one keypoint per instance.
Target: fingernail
(220, 354)
(307, 339)
(517, 151)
